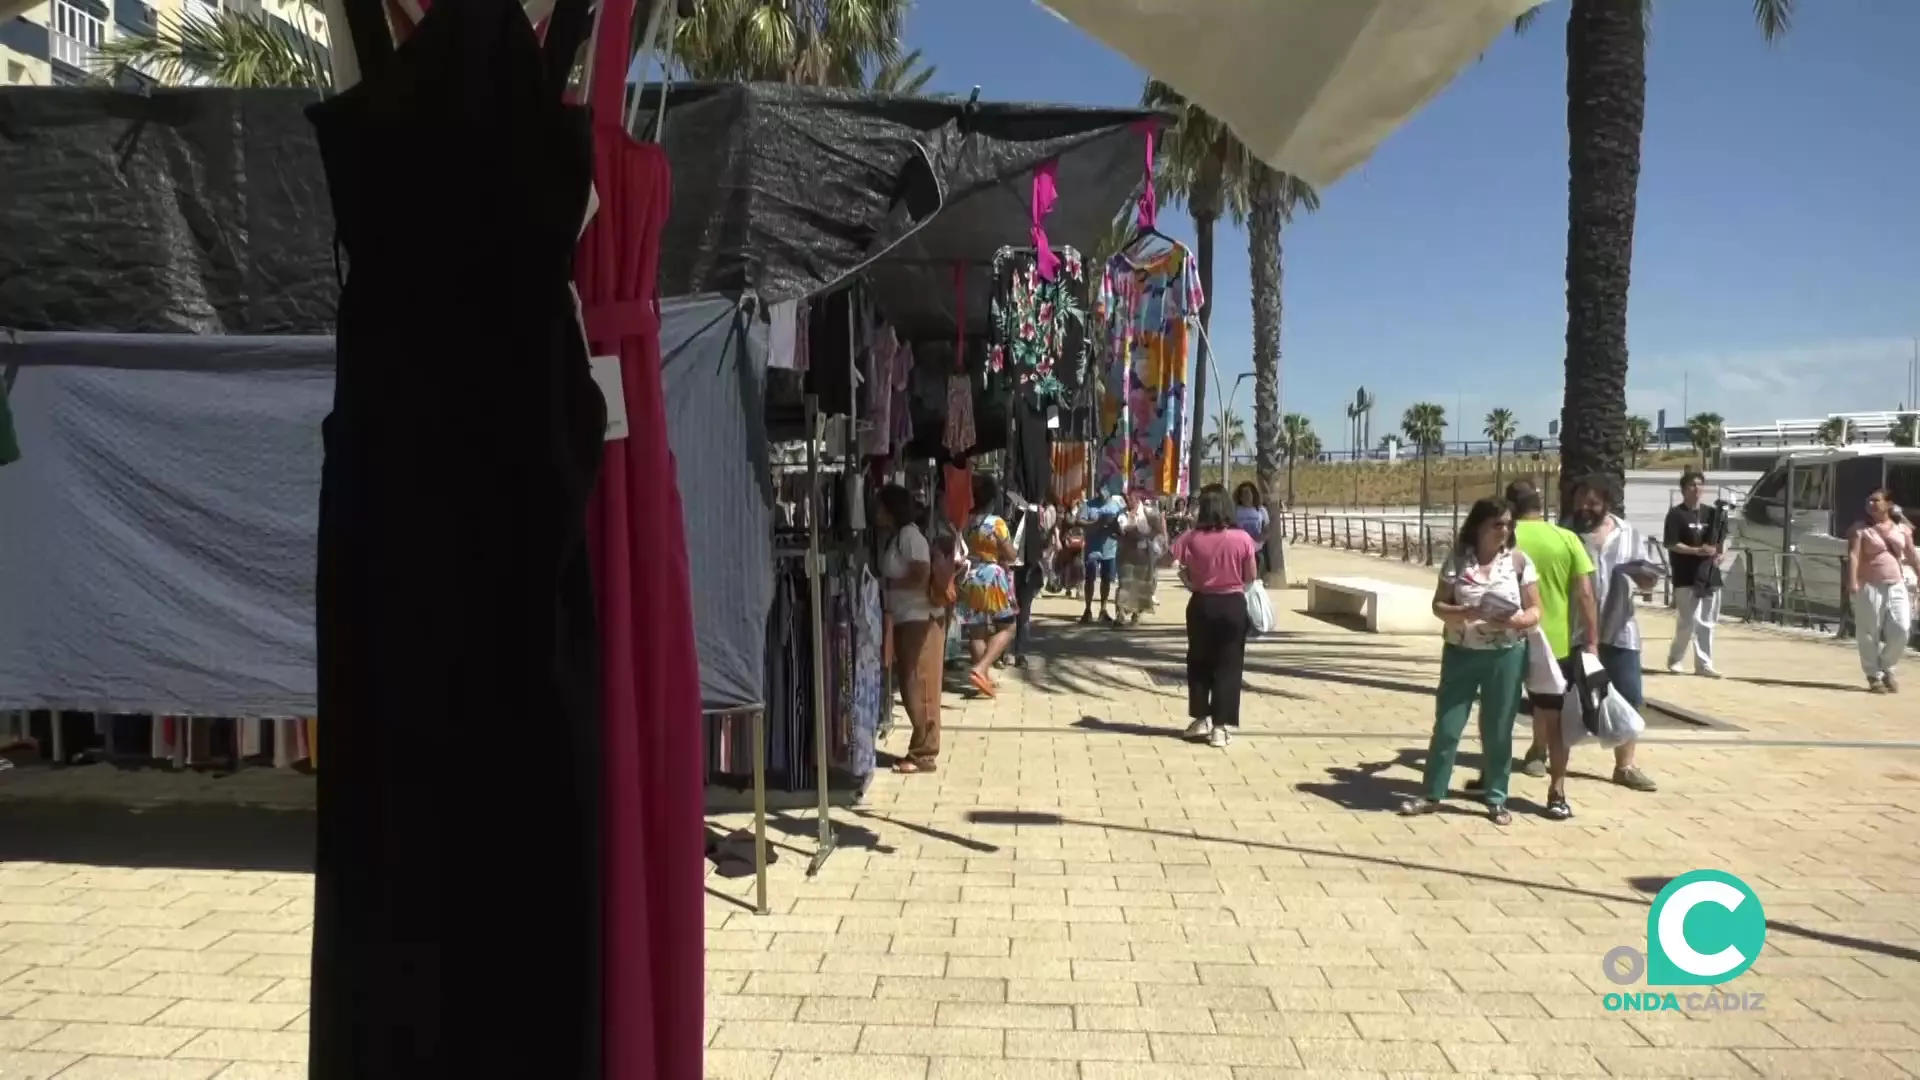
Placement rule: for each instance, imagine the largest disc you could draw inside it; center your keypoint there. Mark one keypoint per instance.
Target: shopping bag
(1259, 610)
(1543, 670)
(1614, 723)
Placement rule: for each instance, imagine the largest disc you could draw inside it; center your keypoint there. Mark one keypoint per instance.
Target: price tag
(606, 375)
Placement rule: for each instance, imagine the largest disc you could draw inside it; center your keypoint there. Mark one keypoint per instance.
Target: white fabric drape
(1311, 86)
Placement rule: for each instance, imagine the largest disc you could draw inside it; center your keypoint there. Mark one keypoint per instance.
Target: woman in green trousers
(1488, 598)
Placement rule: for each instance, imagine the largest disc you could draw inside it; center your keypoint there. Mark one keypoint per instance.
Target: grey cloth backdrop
(158, 537)
(157, 541)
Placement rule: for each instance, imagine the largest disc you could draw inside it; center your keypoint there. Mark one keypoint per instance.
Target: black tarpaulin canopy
(783, 191)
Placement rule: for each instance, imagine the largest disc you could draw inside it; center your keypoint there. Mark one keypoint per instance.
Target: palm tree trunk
(1264, 220)
(1606, 109)
(1499, 455)
(1203, 354)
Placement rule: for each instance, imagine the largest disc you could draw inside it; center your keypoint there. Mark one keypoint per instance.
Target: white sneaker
(1709, 673)
(1200, 728)
(1676, 669)
(1220, 738)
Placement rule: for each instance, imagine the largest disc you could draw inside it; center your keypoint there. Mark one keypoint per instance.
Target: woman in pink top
(1216, 563)
(1876, 550)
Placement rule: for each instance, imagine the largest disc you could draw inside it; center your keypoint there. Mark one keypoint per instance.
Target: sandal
(982, 683)
(907, 767)
(1499, 815)
(1557, 807)
(1416, 807)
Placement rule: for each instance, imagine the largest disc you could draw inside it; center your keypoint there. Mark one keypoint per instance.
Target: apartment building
(53, 44)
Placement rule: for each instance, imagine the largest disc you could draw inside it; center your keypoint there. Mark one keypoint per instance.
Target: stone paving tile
(1079, 894)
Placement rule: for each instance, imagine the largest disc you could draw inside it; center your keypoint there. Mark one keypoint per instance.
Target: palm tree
(1706, 431)
(1204, 167)
(1639, 437)
(1906, 430)
(228, 47)
(1501, 428)
(1424, 425)
(1606, 110)
(1272, 198)
(1298, 441)
(1836, 431)
(811, 42)
(1233, 443)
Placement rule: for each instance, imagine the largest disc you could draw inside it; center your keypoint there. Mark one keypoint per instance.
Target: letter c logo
(1715, 909)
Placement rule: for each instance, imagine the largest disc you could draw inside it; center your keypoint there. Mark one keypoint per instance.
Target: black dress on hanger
(457, 920)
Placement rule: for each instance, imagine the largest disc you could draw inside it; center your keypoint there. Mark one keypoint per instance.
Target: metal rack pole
(760, 812)
(816, 588)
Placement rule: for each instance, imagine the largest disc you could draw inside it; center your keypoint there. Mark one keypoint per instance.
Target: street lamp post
(1226, 409)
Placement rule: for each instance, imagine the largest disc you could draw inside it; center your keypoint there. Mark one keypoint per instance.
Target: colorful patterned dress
(986, 593)
(1039, 326)
(1144, 305)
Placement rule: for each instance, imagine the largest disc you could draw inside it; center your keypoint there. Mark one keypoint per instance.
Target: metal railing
(69, 50)
(1408, 541)
(1795, 590)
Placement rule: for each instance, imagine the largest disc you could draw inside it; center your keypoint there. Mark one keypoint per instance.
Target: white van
(1791, 528)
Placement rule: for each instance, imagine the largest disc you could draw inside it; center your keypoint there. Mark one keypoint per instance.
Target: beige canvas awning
(1311, 86)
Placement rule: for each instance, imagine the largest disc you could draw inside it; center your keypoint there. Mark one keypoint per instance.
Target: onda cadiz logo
(1705, 928)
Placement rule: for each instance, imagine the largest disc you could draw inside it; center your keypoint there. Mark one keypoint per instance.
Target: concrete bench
(1387, 607)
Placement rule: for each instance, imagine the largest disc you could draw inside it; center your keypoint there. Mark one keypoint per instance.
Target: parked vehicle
(1791, 527)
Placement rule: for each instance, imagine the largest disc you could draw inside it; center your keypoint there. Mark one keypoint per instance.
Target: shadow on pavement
(196, 836)
(1025, 817)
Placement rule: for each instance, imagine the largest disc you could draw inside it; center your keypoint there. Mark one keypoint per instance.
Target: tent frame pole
(815, 572)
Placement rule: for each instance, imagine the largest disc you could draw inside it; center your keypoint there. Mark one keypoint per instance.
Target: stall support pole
(815, 569)
(760, 812)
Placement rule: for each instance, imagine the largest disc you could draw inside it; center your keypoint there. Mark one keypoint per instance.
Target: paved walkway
(1081, 894)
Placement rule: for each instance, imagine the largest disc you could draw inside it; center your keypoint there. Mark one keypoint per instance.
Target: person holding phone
(1488, 598)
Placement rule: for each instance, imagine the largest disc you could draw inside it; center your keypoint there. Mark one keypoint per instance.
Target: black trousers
(1026, 586)
(1216, 656)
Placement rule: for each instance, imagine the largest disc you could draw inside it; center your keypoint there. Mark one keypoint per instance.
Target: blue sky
(1777, 254)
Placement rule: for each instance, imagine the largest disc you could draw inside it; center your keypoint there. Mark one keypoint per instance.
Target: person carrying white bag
(1217, 565)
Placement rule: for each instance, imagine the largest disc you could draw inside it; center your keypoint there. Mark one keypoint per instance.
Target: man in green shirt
(1566, 582)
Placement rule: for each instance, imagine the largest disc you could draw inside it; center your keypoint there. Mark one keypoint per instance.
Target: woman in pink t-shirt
(1216, 564)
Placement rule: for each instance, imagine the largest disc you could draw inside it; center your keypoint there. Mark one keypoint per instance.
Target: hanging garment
(959, 436)
(1040, 338)
(1069, 472)
(869, 685)
(1029, 468)
(876, 436)
(956, 489)
(455, 600)
(830, 348)
(654, 900)
(782, 335)
(901, 411)
(1144, 305)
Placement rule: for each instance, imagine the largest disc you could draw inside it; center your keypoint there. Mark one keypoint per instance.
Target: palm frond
(226, 48)
(904, 74)
(1775, 18)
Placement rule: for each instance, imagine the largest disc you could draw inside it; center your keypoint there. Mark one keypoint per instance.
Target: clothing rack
(758, 715)
(826, 839)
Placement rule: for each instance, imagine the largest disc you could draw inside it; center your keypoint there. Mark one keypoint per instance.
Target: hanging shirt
(959, 436)
(782, 335)
(1039, 326)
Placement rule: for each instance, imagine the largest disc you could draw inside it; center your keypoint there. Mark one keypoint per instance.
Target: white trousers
(1880, 620)
(1698, 611)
